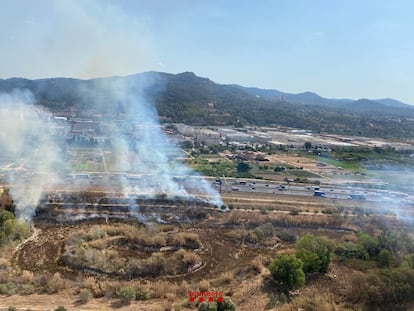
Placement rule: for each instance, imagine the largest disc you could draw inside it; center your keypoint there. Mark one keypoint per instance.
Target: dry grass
(313, 303)
(190, 258)
(225, 279)
(204, 285)
(93, 286)
(56, 284)
(257, 264)
(6, 276)
(160, 289)
(4, 263)
(27, 277)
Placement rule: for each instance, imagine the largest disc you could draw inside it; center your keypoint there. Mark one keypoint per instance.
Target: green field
(347, 165)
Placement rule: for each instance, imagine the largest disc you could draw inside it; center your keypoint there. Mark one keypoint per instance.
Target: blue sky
(337, 48)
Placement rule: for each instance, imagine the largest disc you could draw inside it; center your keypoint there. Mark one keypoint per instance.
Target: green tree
(409, 261)
(288, 270)
(369, 243)
(4, 216)
(307, 145)
(314, 253)
(384, 258)
(279, 169)
(243, 167)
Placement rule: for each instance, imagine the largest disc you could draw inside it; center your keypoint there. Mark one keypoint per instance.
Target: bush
(27, 289)
(409, 260)
(288, 270)
(226, 305)
(61, 308)
(287, 237)
(127, 294)
(384, 258)
(142, 295)
(205, 306)
(369, 243)
(234, 234)
(85, 295)
(7, 288)
(294, 212)
(350, 250)
(27, 276)
(314, 253)
(155, 265)
(390, 290)
(55, 284)
(251, 237)
(265, 231)
(16, 229)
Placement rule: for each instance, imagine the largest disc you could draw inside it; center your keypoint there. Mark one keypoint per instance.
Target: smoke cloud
(147, 163)
(82, 43)
(30, 155)
(142, 149)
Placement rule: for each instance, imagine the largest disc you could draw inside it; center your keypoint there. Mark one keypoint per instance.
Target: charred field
(81, 207)
(175, 238)
(90, 243)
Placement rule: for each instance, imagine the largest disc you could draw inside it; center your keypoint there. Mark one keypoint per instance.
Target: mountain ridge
(306, 97)
(194, 100)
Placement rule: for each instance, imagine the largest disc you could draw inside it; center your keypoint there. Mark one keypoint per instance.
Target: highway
(147, 183)
(324, 191)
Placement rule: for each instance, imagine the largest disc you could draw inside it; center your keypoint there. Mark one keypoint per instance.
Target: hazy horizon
(337, 50)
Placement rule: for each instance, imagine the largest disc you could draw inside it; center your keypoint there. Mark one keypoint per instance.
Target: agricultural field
(86, 159)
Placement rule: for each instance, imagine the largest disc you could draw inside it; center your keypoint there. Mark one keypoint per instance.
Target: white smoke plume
(32, 159)
(83, 44)
(29, 154)
(142, 149)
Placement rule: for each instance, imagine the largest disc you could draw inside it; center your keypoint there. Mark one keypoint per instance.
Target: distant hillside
(188, 98)
(310, 98)
(391, 102)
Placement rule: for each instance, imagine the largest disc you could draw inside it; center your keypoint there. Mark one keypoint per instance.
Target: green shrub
(7, 288)
(369, 243)
(350, 250)
(384, 258)
(226, 305)
(27, 289)
(314, 253)
(142, 295)
(127, 294)
(206, 306)
(236, 234)
(288, 270)
(287, 236)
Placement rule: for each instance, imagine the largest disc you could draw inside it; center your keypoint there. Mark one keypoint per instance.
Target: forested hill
(194, 100)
